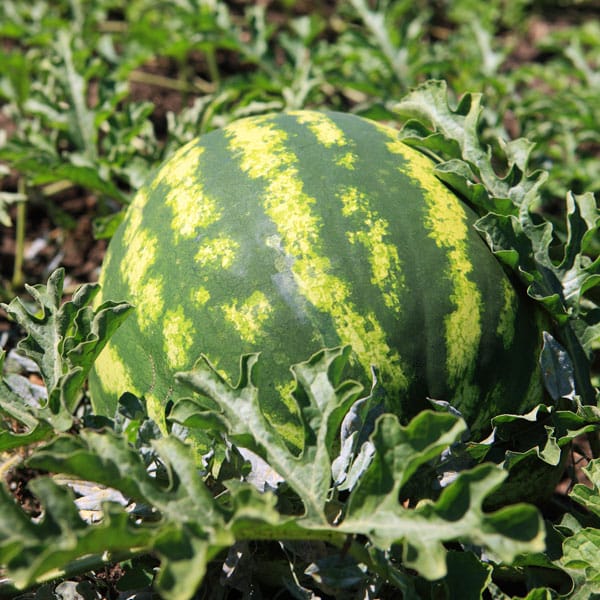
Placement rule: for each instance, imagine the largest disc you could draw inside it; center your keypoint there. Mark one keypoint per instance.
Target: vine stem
(8, 465)
(172, 84)
(18, 279)
(341, 540)
(213, 67)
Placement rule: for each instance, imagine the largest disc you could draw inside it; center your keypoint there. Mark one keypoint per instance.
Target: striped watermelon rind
(292, 232)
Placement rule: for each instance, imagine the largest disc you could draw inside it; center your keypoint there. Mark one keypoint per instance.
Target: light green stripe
(446, 221)
(218, 252)
(178, 338)
(327, 134)
(323, 128)
(140, 253)
(249, 316)
(113, 374)
(199, 296)
(506, 324)
(193, 209)
(386, 267)
(261, 149)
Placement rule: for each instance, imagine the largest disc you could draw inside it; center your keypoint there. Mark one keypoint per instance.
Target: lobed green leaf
(63, 340)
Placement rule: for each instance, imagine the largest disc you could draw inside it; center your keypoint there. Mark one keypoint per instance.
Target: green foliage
(69, 70)
(581, 547)
(63, 340)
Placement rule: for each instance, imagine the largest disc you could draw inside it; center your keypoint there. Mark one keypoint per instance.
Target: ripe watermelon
(291, 232)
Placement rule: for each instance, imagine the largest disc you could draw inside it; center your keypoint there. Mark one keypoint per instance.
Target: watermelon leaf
(16, 401)
(541, 433)
(374, 511)
(324, 405)
(557, 369)
(559, 287)
(580, 559)
(167, 509)
(81, 118)
(455, 134)
(113, 462)
(373, 508)
(61, 541)
(586, 496)
(187, 528)
(356, 449)
(580, 551)
(63, 341)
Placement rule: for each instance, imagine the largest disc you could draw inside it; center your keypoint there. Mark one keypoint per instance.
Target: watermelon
(287, 233)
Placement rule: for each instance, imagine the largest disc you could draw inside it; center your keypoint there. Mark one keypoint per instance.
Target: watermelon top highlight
(292, 232)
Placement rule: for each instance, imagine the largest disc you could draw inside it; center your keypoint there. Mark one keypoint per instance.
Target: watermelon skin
(291, 232)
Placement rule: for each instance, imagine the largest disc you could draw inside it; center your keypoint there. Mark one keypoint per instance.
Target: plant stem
(18, 279)
(213, 67)
(339, 539)
(8, 465)
(56, 187)
(172, 84)
(375, 23)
